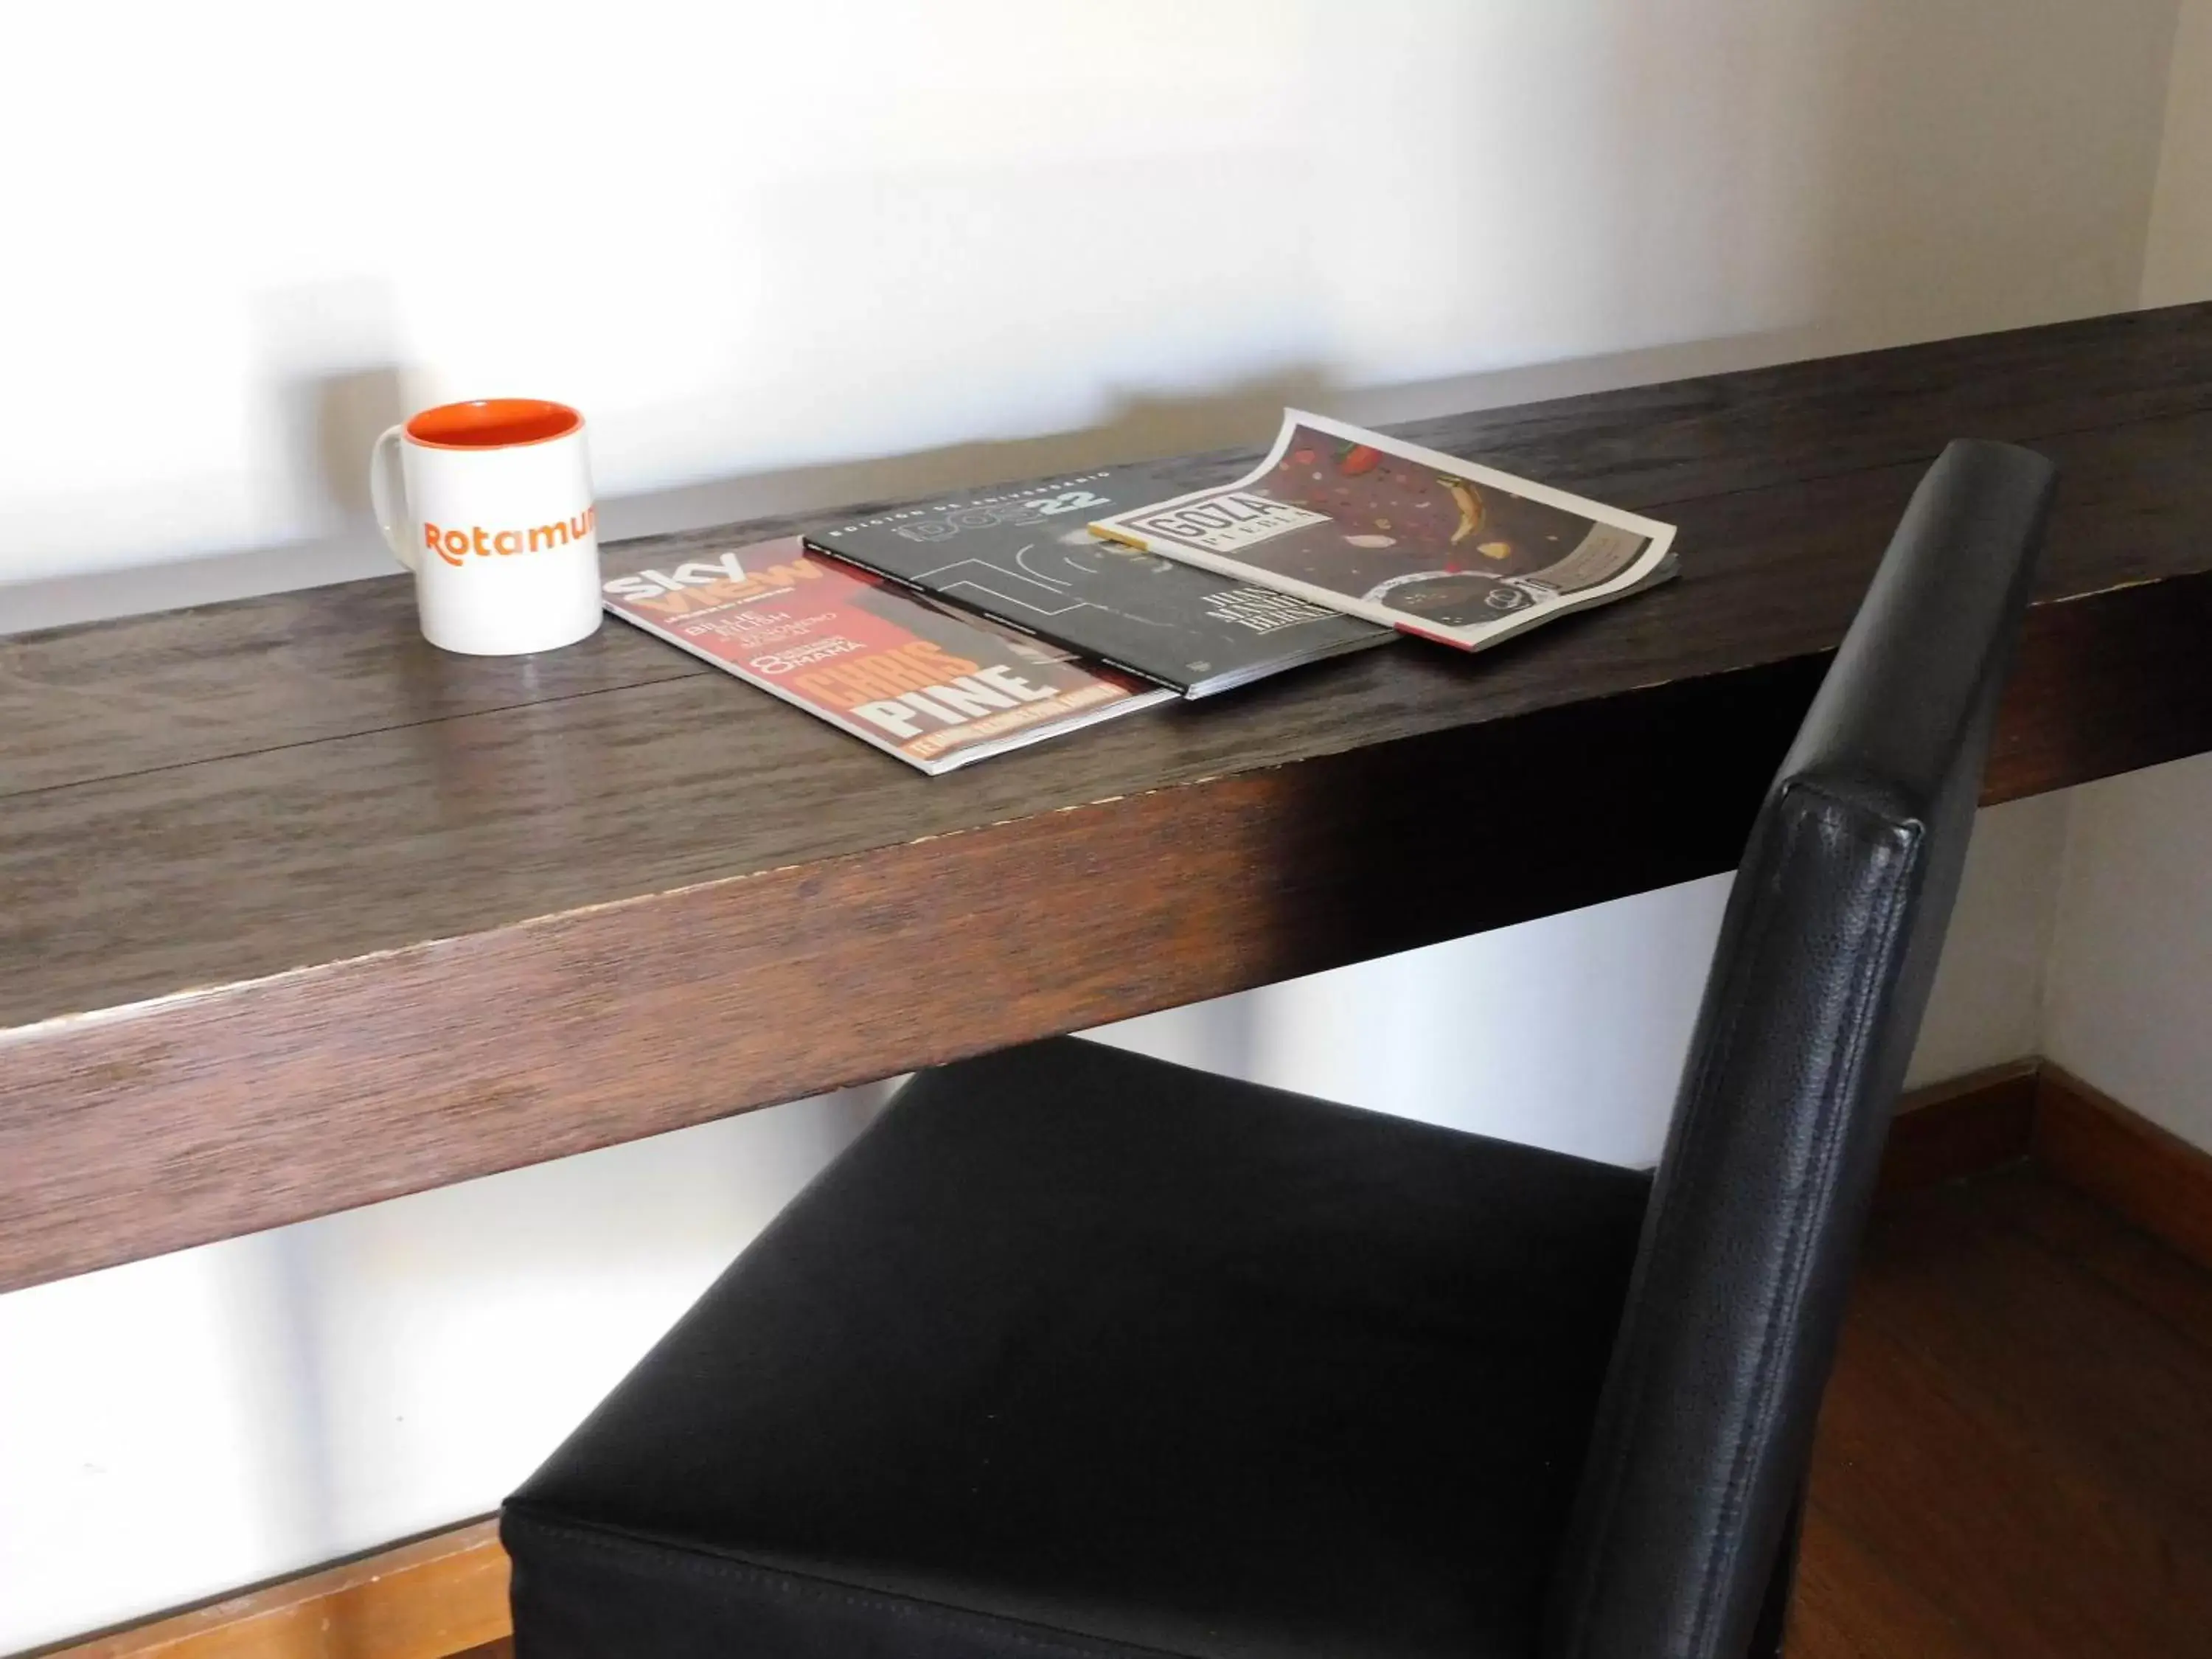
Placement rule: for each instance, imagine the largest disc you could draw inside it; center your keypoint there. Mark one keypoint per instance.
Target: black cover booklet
(1027, 558)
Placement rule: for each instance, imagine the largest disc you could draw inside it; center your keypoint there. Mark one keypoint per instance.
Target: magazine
(1024, 557)
(1386, 530)
(915, 677)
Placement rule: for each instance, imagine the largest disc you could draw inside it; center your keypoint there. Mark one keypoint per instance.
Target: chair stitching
(1637, 1382)
(1851, 819)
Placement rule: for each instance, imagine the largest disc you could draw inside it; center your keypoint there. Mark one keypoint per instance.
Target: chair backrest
(1705, 1427)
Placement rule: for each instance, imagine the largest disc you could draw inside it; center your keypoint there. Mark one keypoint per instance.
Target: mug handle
(392, 521)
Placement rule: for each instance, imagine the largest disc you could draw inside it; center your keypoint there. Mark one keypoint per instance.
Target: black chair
(1077, 1353)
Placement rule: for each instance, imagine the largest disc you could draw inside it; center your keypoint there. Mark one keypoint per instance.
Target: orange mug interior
(493, 423)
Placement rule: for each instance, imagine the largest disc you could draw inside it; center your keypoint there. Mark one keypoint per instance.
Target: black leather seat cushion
(1077, 1352)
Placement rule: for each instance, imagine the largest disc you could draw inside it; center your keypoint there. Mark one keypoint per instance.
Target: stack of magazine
(946, 634)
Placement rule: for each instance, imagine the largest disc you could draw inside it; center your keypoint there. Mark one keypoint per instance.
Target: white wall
(2130, 1005)
(765, 244)
(2177, 251)
(786, 256)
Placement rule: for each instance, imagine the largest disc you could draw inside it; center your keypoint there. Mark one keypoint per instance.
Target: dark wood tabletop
(297, 913)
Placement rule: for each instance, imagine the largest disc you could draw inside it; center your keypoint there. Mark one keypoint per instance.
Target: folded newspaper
(1422, 541)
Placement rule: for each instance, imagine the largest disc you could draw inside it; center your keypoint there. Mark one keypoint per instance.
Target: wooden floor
(2015, 1455)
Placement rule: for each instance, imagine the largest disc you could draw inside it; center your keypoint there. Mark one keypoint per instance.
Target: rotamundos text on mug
(455, 547)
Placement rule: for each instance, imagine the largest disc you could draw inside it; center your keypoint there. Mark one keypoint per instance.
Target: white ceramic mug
(496, 522)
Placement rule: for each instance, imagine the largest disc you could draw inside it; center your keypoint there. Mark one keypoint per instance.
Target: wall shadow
(331, 420)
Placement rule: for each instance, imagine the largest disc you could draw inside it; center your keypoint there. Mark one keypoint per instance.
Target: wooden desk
(297, 913)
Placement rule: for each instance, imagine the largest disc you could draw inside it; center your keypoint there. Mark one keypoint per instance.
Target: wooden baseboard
(433, 1598)
(1961, 1127)
(446, 1595)
(2152, 1177)
(2033, 1108)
